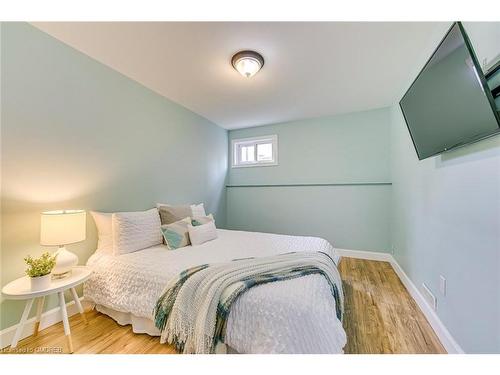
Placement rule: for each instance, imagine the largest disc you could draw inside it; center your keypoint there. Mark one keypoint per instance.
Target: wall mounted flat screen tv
(450, 104)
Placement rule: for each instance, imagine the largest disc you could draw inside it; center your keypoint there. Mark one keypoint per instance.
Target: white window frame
(253, 141)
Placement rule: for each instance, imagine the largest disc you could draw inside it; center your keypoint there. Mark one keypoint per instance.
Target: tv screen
(450, 104)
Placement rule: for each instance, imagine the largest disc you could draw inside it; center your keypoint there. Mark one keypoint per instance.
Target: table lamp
(59, 228)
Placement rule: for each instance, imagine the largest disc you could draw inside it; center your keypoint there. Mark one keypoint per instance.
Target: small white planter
(41, 282)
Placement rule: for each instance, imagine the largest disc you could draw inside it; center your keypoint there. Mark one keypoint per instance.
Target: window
(255, 152)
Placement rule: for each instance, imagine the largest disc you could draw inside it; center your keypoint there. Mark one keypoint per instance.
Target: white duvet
(293, 316)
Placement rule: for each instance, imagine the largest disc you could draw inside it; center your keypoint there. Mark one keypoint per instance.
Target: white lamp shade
(62, 227)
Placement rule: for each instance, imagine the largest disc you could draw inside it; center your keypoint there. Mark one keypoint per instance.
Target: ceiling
(311, 69)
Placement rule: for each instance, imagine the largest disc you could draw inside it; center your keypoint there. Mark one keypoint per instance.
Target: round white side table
(21, 289)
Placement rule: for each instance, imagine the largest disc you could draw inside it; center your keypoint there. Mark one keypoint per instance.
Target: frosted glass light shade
(63, 227)
(247, 63)
(247, 66)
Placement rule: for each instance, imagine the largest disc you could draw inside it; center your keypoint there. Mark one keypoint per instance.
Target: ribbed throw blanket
(193, 309)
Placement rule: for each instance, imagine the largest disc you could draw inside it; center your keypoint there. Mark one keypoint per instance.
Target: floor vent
(429, 297)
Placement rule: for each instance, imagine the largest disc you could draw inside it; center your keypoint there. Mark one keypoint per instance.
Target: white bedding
(293, 316)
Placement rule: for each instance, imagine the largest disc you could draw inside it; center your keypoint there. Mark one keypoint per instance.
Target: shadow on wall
(484, 149)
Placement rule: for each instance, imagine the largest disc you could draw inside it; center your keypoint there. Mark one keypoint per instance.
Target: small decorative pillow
(200, 220)
(176, 235)
(133, 231)
(202, 233)
(104, 232)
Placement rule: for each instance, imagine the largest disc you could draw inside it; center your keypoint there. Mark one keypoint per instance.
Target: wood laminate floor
(380, 317)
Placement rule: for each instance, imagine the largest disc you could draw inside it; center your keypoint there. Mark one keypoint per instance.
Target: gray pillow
(171, 214)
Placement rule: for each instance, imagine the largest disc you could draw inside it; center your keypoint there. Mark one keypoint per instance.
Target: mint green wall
(446, 221)
(343, 149)
(77, 134)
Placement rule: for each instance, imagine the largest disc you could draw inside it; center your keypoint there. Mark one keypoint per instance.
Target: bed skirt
(147, 326)
(139, 325)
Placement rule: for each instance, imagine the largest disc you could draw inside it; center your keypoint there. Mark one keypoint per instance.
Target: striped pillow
(176, 235)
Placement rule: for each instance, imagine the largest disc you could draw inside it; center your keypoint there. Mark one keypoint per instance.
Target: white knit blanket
(197, 302)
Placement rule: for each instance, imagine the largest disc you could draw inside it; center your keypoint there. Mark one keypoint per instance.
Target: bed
(292, 316)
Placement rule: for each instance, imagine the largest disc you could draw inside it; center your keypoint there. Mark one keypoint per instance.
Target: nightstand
(21, 289)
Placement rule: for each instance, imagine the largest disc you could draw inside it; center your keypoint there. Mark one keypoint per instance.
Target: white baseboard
(48, 319)
(437, 325)
(370, 255)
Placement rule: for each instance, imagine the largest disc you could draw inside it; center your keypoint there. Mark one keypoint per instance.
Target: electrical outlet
(393, 249)
(442, 285)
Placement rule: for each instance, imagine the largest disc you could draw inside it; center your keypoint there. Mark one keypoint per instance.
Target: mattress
(292, 316)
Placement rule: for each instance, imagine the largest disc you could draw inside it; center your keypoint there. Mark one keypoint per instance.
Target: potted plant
(39, 270)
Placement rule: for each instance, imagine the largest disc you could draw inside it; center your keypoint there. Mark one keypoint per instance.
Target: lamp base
(65, 261)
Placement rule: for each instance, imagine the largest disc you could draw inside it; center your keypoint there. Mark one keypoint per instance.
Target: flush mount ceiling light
(247, 63)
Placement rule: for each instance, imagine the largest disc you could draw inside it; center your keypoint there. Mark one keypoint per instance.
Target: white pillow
(104, 232)
(200, 220)
(202, 233)
(133, 231)
(196, 209)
